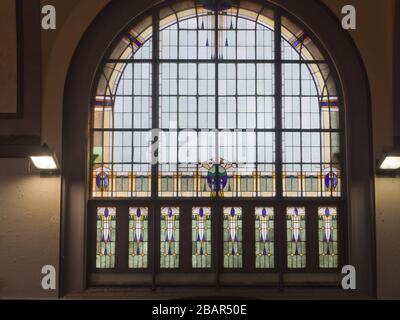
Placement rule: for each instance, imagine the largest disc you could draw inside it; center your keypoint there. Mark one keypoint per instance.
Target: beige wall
(374, 39)
(29, 229)
(41, 202)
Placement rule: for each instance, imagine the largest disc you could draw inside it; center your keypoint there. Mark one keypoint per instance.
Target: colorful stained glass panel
(233, 251)
(138, 238)
(201, 237)
(265, 238)
(106, 236)
(296, 237)
(327, 237)
(169, 238)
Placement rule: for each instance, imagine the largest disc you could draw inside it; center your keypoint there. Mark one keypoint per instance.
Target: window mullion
(155, 101)
(154, 262)
(278, 106)
(280, 213)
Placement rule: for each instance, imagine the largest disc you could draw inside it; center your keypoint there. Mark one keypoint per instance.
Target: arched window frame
(297, 8)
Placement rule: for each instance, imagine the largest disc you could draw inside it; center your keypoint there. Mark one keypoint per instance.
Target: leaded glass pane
(296, 237)
(201, 237)
(138, 237)
(188, 100)
(233, 248)
(327, 237)
(264, 238)
(106, 237)
(169, 238)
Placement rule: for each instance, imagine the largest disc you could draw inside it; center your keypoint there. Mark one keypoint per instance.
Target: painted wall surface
(29, 229)
(28, 201)
(375, 20)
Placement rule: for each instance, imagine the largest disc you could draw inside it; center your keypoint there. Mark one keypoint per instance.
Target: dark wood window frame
(360, 174)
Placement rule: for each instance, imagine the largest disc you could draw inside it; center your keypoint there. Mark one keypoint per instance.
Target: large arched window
(215, 150)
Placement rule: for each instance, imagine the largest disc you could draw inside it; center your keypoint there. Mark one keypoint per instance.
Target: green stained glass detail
(169, 238)
(233, 252)
(296, 237)
(138, 238)
(265, 240)
(201, 237)
(105, 242)
(327, 237)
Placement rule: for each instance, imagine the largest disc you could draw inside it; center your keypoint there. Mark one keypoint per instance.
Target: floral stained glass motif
(169, 240)
(201, 237)
(138, 238)
(233, 251)
(327, 235)
(105, 244)
(296, 237)
(264, 233)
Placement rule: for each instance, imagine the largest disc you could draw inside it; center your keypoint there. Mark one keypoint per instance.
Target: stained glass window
(327, 235)
(265, 237)
(106, 236)
(216, 71)
(201, 237)
(296, 237)
(169, 238)
(233, 249)
(234, 100)
(138, 237)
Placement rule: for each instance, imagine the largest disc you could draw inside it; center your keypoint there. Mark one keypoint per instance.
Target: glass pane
(297, 45)
(327, 235)
(192, 87)
(233, 252)
(169, 238)
(296, 237)
(136, 43)
(265, 238)
(106, 236)
(201, 237)
(138, 237)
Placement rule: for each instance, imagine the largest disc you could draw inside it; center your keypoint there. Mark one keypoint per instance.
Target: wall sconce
(389, 164)
(45, 160)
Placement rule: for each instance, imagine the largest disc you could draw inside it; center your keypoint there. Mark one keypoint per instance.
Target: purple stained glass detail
(217, 178)
(102, 180)
(331, 181)
(217, 5)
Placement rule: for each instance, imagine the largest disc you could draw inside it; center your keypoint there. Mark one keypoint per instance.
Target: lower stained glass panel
(296, 237)
(201, 237)
(105, 242)
(327, 236)
(233, 253)
(138, 238)
(169, 238)
(264, 233)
